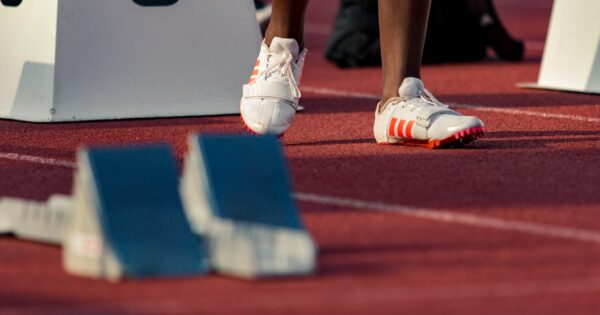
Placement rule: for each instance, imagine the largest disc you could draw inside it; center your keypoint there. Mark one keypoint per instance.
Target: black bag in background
(458, 31)
(354, 41)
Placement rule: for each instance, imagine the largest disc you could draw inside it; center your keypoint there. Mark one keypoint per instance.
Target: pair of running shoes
(270, 102)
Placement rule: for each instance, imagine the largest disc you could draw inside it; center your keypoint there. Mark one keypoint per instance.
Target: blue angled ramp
(140, 212)
(248, 179)
(237, 193)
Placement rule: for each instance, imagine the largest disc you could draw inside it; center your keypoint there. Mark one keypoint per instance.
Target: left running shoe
(270, 99)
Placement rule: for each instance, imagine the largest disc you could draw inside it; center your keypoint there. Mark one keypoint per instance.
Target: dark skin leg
(287, 20)
(402, 24)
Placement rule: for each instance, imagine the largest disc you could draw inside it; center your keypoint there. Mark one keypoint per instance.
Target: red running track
(507, 226)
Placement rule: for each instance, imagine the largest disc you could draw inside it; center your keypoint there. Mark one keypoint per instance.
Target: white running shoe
(270, 98)
(416, 117)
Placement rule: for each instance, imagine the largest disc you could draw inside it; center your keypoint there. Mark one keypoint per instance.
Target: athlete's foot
(416, 117)
(271, 96)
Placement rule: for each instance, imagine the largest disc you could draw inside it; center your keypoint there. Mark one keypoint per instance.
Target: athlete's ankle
(269, 35)
(385, 98)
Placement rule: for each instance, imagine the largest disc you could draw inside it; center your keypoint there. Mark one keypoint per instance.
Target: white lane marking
(510, 111)
(509, 225)
(332, 92)
(528, 113)
(37, 160)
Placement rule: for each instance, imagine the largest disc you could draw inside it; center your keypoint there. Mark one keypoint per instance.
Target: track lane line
(439, 215)
(510, 111)
(456, 217)
(37, 160)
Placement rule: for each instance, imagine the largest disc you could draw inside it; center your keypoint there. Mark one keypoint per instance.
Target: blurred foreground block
(128, 219)
(73, 60)
(238, 196)
(30, 220)
(571, 59)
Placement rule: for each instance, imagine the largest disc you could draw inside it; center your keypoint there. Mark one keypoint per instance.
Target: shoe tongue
(283, 45)
(410, 87)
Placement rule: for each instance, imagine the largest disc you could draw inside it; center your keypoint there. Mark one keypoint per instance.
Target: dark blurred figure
(458, 31)
(11, 3)
(263, 14)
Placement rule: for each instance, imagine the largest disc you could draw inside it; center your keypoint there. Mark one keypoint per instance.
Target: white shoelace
(424, 97)
(283, 66)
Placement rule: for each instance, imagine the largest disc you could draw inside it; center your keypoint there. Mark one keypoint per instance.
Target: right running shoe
(416, 117)
(270, 99)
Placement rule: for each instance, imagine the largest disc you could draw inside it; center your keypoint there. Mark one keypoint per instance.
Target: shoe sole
(254, 133)
(458, 139)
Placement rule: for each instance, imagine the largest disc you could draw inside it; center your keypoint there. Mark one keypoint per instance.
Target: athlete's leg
(402, 24)
(408, 113)
(287, 20)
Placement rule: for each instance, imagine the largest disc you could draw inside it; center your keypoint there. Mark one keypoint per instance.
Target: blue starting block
(128, 219)
(237, 193)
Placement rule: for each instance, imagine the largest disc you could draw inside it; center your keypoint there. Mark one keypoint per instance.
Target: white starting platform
(571, 59)
(75, 60)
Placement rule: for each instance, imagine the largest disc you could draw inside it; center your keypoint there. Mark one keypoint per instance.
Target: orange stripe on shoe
(409, 128)
(392, 127)
(400, 132)
(254, 72)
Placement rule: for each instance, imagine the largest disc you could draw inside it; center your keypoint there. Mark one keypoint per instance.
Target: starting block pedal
(42, 222)
(128, 219)
(571, 60)
(237, 194)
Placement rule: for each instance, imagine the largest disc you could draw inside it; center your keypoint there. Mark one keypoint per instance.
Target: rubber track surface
(508, 225)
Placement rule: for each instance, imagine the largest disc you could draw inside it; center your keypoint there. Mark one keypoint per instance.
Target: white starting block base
(84, 251)
(242, 248)
(48, 223)
(253, 250)
(74, 60)
(42, 222)
(571, 59)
